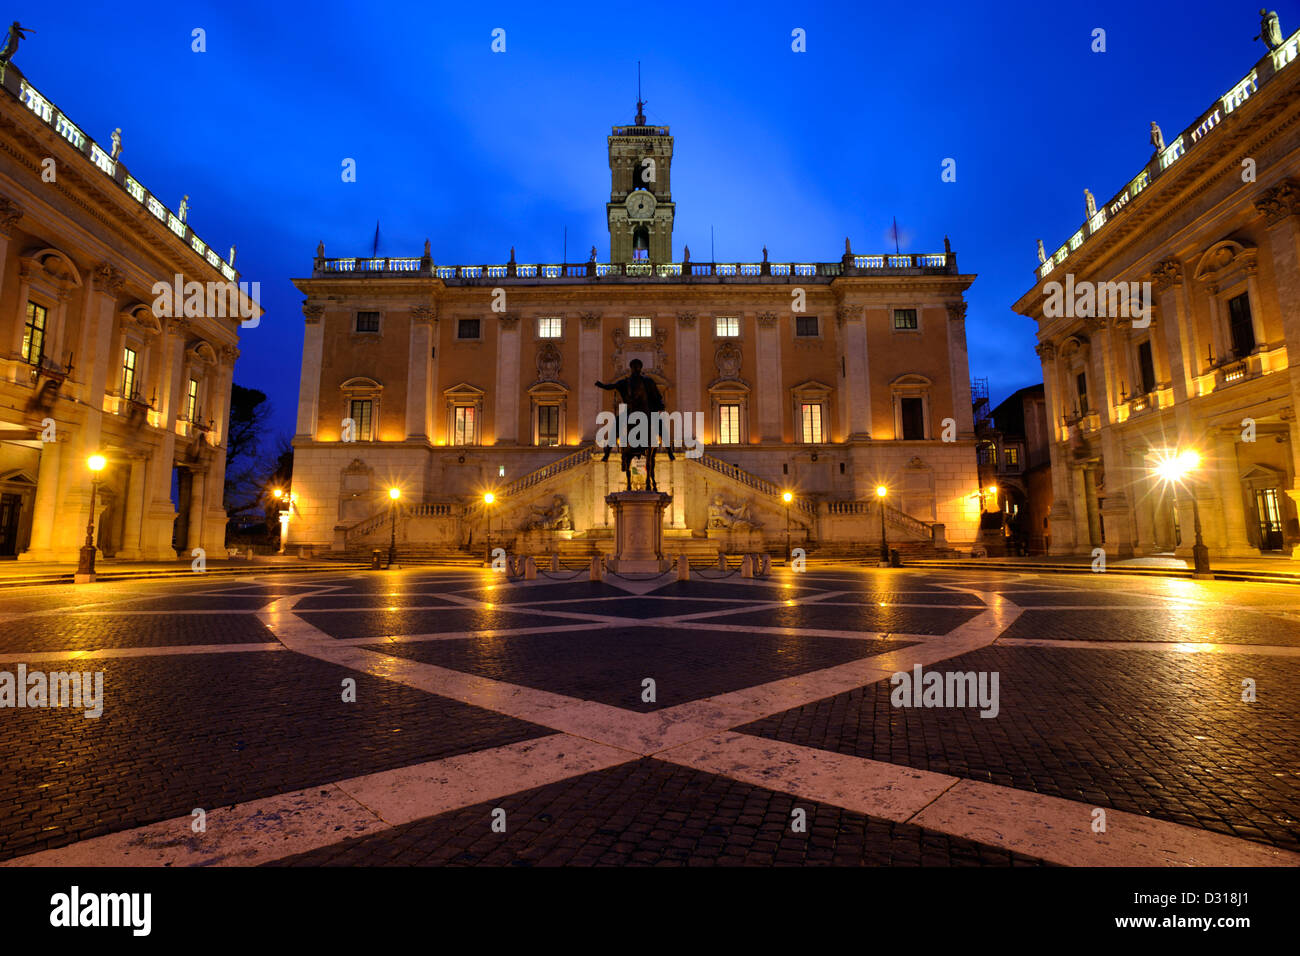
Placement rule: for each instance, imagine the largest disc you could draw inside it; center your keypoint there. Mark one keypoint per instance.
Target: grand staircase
(911, 537)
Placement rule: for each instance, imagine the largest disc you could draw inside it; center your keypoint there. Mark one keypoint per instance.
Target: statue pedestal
(638, 531)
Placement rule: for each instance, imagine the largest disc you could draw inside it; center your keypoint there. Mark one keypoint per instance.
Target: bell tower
(640, 208)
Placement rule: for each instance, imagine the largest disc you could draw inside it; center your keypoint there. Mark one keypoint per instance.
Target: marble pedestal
(638, 531)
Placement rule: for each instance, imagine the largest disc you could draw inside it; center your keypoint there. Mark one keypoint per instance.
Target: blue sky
(479, 151)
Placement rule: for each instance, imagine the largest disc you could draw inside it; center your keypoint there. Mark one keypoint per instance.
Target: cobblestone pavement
(422, 717)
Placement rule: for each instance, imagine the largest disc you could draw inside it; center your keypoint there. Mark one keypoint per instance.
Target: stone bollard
(747, 566)
(555, 562)
(722, 561)
(683, 567)
(766, 568)
(597, 573)
(530, 569)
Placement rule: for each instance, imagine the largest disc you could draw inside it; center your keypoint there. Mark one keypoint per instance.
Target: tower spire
(640, 116)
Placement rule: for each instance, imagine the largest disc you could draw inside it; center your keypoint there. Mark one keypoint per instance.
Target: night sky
(480, 151)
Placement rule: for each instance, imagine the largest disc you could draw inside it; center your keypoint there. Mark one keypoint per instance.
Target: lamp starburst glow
(96, 462)
(489, 498)
(787, 497)
(394, 493)
(881, 491)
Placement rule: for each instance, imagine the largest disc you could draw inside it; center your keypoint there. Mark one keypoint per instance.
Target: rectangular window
(810, 414)
(192, 401)
(912, 411)
(367, 321)
(805, 325)
(905, 319)
(1243, 332)
(638, 327)
(728, 424)
(466, 425)
(1147, 368)
(467, 329)
(34, 334)
(361, 412)
(1013, 456)
(548, 327)
(548, 424)
(726, 326)
(128, 373)
(1081, 387)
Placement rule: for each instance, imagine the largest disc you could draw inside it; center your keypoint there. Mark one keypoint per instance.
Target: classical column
(590, 371)
(44, 507)
(1093, 516)
(1223, 461)
(135, 502)
(689, 400)
(194, 527)
(505, 397)
(212, 536)
(772, 390)
(418, 374)
(959, 364)
(10, 213)
(855, 385)
(313, 345)
(1181, 339)
(156, 539)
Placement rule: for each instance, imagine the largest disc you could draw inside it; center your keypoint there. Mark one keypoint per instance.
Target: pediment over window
(911, 380)
(1225, 259)
(142, 316)
(202, 353)
(812, 389)
(360, 383)
(54, 266)
(464, 392)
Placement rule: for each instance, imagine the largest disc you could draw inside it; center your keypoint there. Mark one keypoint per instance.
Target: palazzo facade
(87, 367)
(449, 382)
(1207, 235)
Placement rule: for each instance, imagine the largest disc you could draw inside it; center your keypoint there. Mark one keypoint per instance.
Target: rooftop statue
(1157, 138)
(1091, 202)
(117, 143)
(1042, 253)
(593, 254)
(1270, 29)
(17, 33)
(231, 260)
(185, 207)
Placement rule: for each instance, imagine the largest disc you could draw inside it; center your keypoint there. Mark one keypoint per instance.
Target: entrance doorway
(11, 509)
(1269, 512)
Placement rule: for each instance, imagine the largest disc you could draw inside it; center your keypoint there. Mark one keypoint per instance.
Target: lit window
(728, 424)
(638, 327)
(548, 327)
(810, 414)
(34, 334)
(727, 326)
(128, 373)
(905, 319)
(466, 424)
(367, 321)
(361, 411)
(805, 325)
(467, 329)
(192, 401)
(1013, 456)
(548, 424)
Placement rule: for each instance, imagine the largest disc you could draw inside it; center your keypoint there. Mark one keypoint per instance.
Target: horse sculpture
(638, 393)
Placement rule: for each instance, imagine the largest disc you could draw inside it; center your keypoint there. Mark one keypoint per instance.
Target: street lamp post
(1174, 470)
(787, 497)
(881, 491)
(393, 494)
(488, 498)
(86, 565)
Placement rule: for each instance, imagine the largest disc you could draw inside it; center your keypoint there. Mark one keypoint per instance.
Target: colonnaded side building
(1212, 222)
(824, 379)
(86, 366)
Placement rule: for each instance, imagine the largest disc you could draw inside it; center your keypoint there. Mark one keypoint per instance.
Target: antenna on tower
(640, 116)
